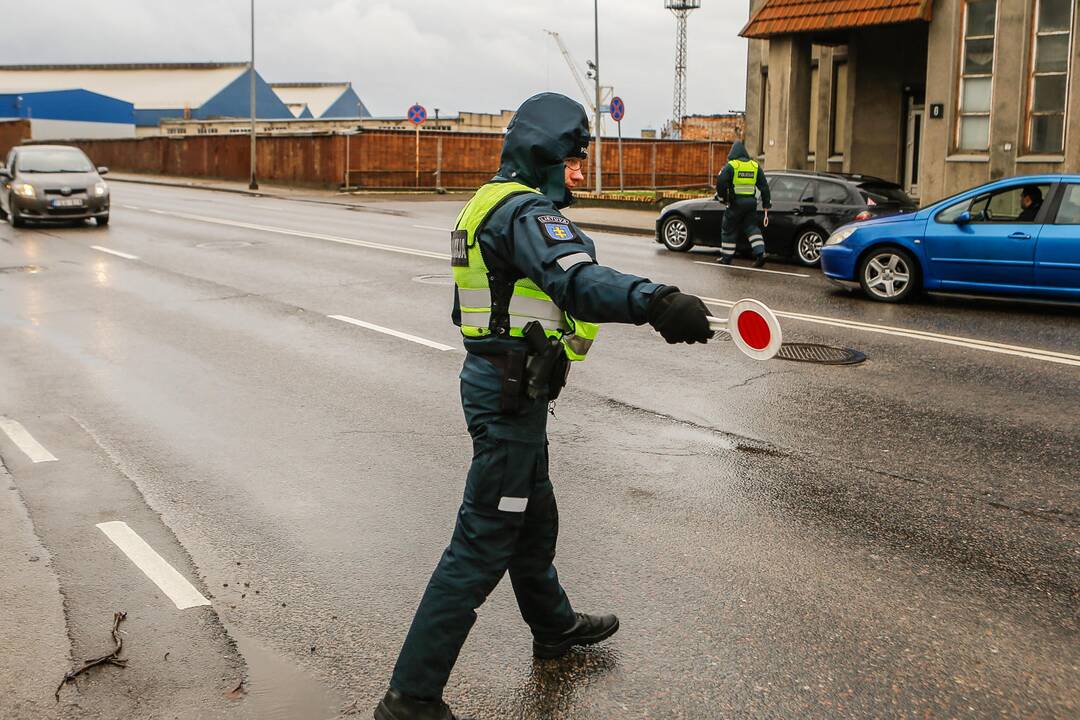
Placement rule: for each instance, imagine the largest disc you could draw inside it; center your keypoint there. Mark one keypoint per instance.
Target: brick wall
(388, 159)
(12, 133)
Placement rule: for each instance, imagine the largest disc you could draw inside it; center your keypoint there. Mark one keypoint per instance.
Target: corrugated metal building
(67, 114)
(157, 91)
(323, 100)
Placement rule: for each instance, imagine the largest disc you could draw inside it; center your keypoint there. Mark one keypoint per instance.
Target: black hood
(547, 129)
(738, 151)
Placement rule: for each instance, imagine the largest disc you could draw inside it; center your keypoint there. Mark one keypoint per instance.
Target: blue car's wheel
(889, 274)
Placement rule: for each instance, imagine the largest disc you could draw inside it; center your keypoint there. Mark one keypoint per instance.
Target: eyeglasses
(573, 164)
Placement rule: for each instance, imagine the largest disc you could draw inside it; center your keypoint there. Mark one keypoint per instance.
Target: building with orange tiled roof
(937, 95)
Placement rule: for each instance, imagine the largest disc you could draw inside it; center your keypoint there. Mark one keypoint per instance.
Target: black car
(52, 182)
(806, 208)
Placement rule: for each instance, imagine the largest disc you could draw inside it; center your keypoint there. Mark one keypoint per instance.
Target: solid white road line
(973, 343)
(431, 227)
(117, 253)
(25, 441)
(300, 233)
(751, 269)
(164, 575)
(388, 331)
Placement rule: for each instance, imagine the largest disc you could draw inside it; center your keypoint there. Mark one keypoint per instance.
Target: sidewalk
(614, 220)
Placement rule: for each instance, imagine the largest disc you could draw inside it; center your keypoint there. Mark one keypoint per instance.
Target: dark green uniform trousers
(508, 521)
(741, 216)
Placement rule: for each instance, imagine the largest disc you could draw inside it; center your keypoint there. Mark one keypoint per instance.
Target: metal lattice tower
(681, 10)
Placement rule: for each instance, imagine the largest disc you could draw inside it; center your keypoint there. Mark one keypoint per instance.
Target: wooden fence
(394, 159)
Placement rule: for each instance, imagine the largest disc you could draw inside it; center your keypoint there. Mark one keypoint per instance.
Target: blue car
(1018, 236)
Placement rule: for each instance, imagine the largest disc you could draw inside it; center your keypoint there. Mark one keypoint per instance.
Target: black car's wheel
(13, 216)
(675, 234)
(808, 246)
(889, 274)
(102, 220)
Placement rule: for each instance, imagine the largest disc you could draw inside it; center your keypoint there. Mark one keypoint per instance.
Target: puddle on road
(279, 690)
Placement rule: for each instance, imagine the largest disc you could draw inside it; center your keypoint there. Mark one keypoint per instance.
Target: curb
(192, 186)
(599, 227)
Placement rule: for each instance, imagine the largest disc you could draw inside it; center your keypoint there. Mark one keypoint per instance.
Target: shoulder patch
(556, 228)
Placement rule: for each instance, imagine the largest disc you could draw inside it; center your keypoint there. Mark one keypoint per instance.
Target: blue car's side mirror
(963, 218)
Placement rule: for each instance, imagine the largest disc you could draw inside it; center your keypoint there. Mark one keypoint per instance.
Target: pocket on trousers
(502, 475)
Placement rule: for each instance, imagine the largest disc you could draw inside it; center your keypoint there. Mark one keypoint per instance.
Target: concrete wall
(757, 57)
(882, 62)
(77, 130)
(945, 170)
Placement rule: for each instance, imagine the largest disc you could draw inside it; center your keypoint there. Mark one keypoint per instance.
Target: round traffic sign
(617, 108)
(417, 114)
(755, 329)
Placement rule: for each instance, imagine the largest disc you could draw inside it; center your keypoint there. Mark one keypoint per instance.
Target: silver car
(51, 183)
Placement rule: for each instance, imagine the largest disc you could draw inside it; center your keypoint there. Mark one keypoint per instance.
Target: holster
(546, 366)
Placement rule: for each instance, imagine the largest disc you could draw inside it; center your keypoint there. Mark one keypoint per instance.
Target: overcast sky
(451, 54)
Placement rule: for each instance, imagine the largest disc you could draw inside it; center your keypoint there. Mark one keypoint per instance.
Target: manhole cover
(21, 268)
(821, 354)
(435, 279)
(223, 244)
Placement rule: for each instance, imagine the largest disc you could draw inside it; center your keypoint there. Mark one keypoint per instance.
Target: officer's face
(572, 174)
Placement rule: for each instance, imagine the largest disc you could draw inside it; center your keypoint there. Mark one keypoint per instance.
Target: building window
(1049, 83)
(839, 108)
(976, 75)
(814, 86)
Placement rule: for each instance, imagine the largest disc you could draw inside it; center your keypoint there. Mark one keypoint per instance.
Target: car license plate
(67, 202)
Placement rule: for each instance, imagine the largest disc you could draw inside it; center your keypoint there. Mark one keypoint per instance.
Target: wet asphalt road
(780, 540)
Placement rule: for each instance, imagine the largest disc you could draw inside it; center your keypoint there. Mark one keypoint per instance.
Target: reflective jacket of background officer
(736, 186)
(517, 260)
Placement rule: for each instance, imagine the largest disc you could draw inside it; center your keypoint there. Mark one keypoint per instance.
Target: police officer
(736, 186)
(529, 297)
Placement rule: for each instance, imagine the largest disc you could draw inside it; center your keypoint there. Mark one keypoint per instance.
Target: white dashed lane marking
(972, 343)
(431, 227)
(394, 333)
(751, 269)
(25, 441)
(165, 576)
(117, 253)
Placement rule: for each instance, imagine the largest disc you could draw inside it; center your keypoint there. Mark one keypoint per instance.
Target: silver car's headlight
(25, 190)
(840, 235)
(101, 189)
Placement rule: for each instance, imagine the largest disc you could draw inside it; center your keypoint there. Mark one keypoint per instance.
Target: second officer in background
(738, 184)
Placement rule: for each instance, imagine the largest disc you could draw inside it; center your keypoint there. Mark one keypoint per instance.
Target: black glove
(678, 317)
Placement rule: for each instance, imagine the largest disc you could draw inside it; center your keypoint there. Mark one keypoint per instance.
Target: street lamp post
(253, 185)
(596, 72)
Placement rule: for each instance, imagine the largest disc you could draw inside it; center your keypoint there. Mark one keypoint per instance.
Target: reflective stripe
(728, 246)
(513, 504)
(524, 306)
(578, 344)
(756, 237)
(745, 189)
(568, 261)
(517, 322)
(474, 298)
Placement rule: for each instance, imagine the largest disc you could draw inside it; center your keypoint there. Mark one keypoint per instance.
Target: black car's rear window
(53, 160)
(885, 193)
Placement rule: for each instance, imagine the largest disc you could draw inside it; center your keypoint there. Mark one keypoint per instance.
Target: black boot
(724, 260)
(396, 706)
(759, 261)
(588, 630)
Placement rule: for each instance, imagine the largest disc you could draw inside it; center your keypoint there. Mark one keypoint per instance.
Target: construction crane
(681, 9)
(590, 101)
